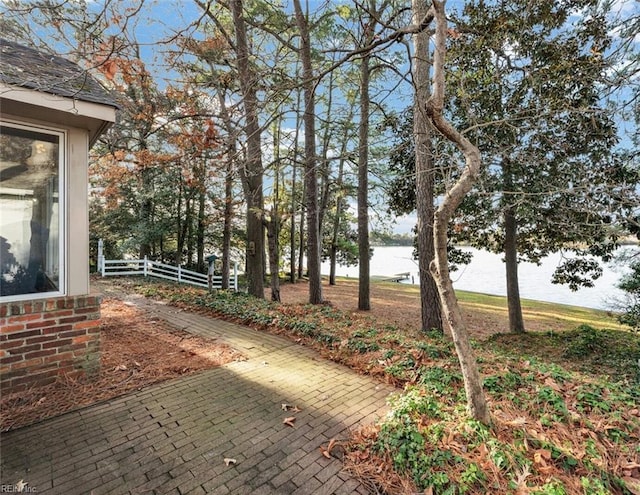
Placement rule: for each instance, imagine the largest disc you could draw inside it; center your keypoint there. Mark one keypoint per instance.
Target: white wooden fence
(162, 270)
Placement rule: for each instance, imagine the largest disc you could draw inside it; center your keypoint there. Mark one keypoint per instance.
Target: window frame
(63, 165)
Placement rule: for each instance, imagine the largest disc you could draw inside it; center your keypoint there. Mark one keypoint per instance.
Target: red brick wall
(43, 339)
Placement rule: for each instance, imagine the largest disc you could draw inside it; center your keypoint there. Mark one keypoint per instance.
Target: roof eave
(101, 115)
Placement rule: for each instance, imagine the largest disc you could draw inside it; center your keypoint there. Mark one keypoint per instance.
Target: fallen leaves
(289, 407)
(541, 456)
(633, 485)
(326, 451)
(289, 421)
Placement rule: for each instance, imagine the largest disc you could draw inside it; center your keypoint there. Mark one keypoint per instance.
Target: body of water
(486, 274)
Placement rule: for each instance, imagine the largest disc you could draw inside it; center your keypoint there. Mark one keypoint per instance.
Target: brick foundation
(45, 338)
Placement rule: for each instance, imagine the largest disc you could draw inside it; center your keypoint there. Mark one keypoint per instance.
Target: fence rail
(168, 272)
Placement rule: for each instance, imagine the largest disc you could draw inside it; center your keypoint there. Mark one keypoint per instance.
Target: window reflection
(29, 211)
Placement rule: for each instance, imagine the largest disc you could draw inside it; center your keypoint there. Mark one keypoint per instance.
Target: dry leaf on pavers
(327, 452)
(289, 407)
(229, 461)
(289, 421)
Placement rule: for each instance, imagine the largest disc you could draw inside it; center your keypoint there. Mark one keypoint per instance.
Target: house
(51, 113)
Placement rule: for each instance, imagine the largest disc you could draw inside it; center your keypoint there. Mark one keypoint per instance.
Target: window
(31, 216)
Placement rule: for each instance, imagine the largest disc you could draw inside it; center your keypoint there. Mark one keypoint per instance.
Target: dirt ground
(137, 350)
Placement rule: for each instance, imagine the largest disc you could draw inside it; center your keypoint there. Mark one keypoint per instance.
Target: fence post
(235, 276)
(145, 266)
(100, 255)
(104, 268)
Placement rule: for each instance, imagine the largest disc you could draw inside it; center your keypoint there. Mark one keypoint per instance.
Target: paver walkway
(173, 438)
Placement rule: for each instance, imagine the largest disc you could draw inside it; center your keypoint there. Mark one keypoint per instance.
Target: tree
(526, 87)
(453, 196)
(424, 174)
(364, 288)
(252, 172)
(311, 174)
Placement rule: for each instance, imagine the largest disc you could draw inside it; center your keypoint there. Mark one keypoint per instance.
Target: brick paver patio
(173, 438)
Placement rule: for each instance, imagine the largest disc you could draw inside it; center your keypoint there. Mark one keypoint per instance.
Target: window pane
(30, 234)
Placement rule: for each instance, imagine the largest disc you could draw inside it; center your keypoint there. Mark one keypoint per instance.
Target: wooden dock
(398, 277)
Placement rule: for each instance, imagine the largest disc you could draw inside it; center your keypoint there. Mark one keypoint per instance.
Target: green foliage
(615, 350)
(508, 381)
(415, 402)
(592, 486)
(432, 350)
(439, 380)
(591, 398)
(403, 368)
(525, 85)
(362, 346)
(547, 396)
(406, 445)
(471, 477)
(612, 352)
(630, 284)
(554, 487)
(587, 341)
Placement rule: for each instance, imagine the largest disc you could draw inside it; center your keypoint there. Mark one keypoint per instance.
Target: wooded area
(281, 134)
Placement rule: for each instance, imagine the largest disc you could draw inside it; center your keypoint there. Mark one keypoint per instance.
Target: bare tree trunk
(301, 243)
(294, 203)
(429, 299)
(364, 272)
(228, 218)
(252, 173)
(292, 233)
(273, 225)
(272, 240)
(476, 401)
(311, 181)
(200, 232)
(190, 236)
(516, 321)
(183, 239)
(180, 225)
(325, 169)
(228, 189)
(144, 214)
(336, 221)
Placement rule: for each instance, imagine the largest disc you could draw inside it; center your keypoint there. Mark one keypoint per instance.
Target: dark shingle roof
(28, 68)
